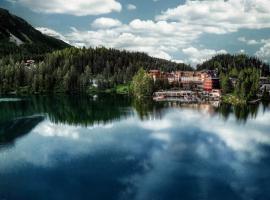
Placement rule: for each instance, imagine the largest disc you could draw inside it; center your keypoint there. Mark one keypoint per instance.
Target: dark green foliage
(75, 70)
(225, 83)
(248, 83)
(227, 62)
(246, 86)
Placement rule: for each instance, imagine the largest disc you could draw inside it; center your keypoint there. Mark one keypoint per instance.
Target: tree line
(232, 63)
(77, 70)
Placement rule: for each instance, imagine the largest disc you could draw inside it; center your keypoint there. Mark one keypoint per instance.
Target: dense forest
(77, 70)
(227, 63)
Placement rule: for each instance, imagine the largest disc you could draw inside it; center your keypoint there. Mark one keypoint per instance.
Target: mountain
(226, 62)
(19, 37)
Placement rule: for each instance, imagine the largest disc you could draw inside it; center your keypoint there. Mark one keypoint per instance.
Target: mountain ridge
(17, 36)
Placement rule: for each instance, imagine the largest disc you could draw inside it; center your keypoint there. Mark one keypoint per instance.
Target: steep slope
(19, 37)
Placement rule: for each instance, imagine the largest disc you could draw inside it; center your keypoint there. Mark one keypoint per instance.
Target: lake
(114, 148)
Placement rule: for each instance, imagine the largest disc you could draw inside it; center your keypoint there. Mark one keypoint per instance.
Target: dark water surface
(110, 147)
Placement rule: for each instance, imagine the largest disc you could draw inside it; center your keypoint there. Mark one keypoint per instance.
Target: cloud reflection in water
(185, 154)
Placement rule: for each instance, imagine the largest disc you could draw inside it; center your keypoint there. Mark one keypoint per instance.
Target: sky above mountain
(180, 30)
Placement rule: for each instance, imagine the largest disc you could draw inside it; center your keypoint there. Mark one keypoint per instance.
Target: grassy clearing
(123, 89)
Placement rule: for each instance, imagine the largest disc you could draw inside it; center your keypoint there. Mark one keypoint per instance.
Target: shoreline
(227, 99)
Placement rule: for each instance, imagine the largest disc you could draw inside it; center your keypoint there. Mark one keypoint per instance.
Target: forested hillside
(239, 74)
(227, 62)
(19, 37)
(77, 70)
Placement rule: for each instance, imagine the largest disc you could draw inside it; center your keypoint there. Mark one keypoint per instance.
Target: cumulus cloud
(221, 16)
(131, 7)
(105, 22)
(264, 51)
(249, 42)
(73, 7)
(196, 56)
(118, 39)
(61, 130)
(158, 39)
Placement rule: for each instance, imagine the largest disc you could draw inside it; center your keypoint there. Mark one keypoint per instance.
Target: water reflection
(16, 128)
(148, 151)
(85, 110)
(73, 110)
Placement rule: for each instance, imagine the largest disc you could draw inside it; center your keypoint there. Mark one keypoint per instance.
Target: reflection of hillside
(76, 110)
(15, 109)
(241, 113)
(85, 110)
(156, 110)
(13, 129)
(148, 109)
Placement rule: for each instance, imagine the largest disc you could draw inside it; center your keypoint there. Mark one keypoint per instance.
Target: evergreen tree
(225, 83)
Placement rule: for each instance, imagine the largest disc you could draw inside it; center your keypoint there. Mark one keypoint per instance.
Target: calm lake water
(112, 148)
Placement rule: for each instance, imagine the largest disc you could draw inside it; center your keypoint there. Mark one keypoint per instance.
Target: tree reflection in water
(17, 118)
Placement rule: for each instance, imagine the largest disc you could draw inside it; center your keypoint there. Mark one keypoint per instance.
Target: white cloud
(73, 7)
(178, 61)
(116, 38)
(264, 51)
(158, 39)
(196, 56)
(221, 16)
(156, 125)
(105, 22)
(52, 33)
(61, 130)
(249, 42)
(131, 7)
(241, 51)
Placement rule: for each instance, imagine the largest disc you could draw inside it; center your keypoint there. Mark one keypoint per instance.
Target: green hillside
(227, 62)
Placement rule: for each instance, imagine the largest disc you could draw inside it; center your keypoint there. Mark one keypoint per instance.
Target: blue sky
(188, 31)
